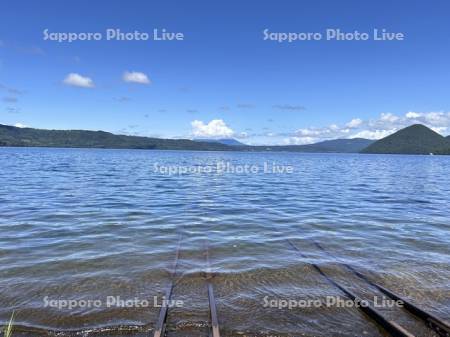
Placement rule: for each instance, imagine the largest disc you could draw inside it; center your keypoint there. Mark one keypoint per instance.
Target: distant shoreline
(415, 139)
(215, 151)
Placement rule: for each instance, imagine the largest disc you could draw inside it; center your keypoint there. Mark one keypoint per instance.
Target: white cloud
(438, 129)
(388, 117)
(376, 128)
(136, 77)
(20, 125)
(437, 119)
(77, 80)
(354, 123)
(334, 127)
(373, 134)
(412, 115)
(299, 140)
(312, 135)
(309, 132)
(384, 125)
(389, 123)
(215, 128)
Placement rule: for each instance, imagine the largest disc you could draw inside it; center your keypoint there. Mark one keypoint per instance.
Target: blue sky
(224, 79)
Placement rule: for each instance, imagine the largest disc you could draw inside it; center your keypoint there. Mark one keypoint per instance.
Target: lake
(98, 230)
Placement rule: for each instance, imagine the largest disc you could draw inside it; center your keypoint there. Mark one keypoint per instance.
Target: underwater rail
(160, 327)
(438, 325)
(212, 301)
(393, 328)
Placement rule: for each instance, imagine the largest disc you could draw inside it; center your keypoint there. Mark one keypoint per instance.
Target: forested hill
(13, 136)
(414, 139)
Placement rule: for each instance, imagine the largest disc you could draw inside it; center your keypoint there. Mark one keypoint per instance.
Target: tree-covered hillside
(13, 136)
(414, 139)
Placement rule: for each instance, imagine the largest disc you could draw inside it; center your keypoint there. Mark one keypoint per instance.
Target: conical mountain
(414, 139)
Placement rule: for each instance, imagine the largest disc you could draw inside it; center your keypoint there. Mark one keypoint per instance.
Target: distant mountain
(354, 145)
(340, 145)
(414, 139)
(13, 136)
(225, 141)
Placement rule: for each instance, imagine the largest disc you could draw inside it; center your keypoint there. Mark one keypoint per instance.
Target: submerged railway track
(393, 328)
(160, 327)
(439, 326)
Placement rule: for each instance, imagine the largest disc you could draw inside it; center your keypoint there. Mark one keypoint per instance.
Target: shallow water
(85, 224)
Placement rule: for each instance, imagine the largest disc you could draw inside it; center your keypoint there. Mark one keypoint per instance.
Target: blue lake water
(85, 224)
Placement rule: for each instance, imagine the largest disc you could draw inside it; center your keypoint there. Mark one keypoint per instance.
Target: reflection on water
(87, 224)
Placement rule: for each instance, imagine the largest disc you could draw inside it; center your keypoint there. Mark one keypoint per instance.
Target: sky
(226, 77)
